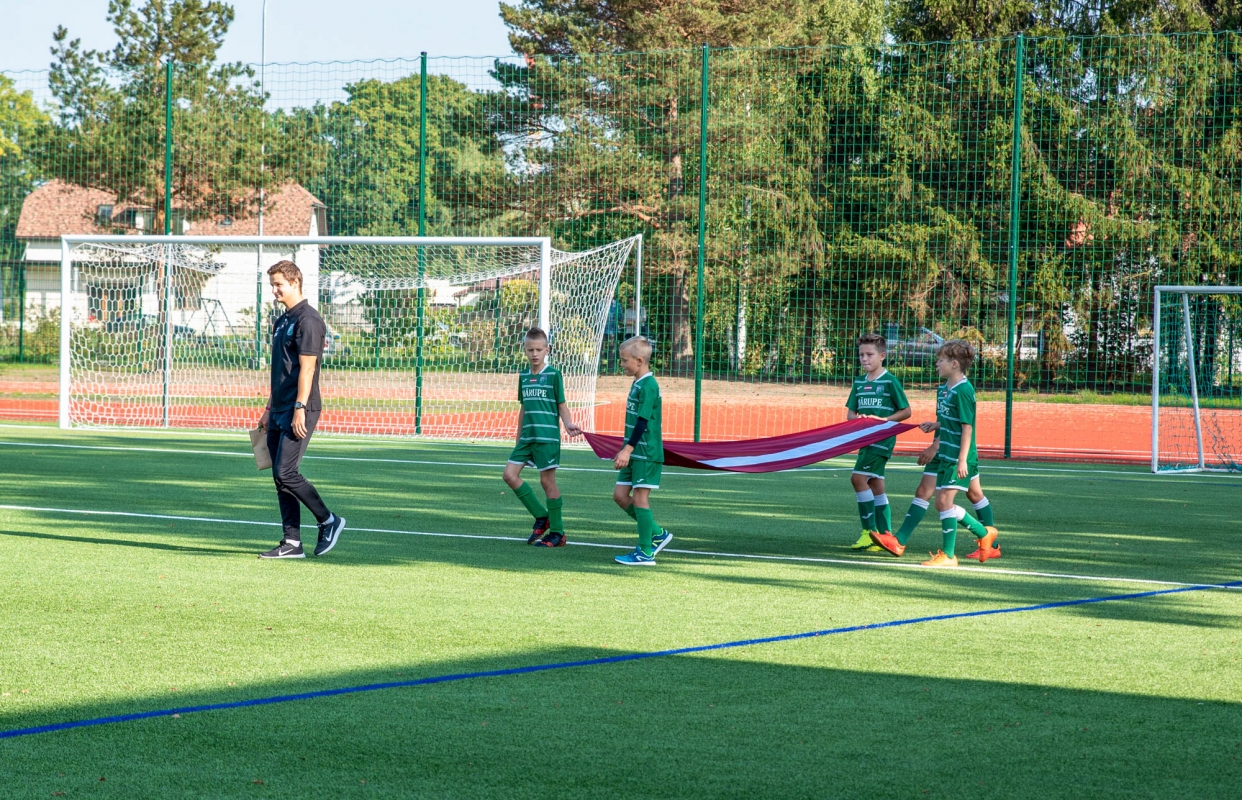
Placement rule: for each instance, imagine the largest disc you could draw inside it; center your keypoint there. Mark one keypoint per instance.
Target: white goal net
(424, 334)
(1196, 391)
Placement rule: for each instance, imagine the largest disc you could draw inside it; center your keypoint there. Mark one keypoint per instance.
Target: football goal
(1196, 388)
(424, 333)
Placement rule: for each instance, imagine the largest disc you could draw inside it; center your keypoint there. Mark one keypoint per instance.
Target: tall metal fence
(790, 199)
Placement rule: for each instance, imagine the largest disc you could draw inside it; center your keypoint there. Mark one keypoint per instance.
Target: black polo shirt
(300, 331)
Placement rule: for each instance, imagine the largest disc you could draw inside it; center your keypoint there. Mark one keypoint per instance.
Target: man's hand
(961, 468)
(928, 427)
(572, 429)
(299, 423)
(265, 419)
(927, 455)
(622, 459)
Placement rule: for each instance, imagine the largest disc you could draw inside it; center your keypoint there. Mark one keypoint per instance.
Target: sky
(297, 30)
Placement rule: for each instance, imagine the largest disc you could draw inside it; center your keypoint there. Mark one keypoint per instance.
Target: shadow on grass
(177, 548)
(689, 726)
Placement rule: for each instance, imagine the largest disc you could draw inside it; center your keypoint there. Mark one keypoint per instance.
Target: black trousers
(292, 489)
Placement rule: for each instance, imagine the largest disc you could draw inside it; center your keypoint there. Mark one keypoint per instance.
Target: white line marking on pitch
(709, 553)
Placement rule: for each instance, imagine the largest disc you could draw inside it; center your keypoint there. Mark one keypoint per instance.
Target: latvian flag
(765, 455)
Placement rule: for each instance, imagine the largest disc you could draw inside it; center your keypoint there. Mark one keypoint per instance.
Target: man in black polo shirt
(293, 411)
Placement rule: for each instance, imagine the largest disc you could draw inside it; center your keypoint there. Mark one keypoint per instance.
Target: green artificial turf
(104, 615)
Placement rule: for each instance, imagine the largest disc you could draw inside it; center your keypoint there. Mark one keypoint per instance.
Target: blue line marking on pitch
(590, 662)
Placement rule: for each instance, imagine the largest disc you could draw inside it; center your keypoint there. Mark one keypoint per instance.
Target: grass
(110, 614)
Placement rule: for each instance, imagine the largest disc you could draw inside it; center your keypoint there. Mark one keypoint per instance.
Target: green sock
(884, 517)
(948, 530)
(985, 513)
(630, 510)
(646, 529)
(556, 524)
(918, 509)
(866, 513)
(973, 526)
(527, 496)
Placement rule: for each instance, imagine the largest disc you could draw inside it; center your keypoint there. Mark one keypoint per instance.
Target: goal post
(161, 331)
(1196, 388)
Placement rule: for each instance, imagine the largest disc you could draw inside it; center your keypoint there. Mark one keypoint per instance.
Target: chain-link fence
(790, 200)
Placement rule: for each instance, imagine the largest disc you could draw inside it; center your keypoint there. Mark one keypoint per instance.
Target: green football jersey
(881, 397)
(644, 402)
(540, 393)
(955, 407)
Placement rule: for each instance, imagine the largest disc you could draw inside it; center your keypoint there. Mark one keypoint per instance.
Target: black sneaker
(286, 549)
(329, 532)
(552, 539)
(536, 533)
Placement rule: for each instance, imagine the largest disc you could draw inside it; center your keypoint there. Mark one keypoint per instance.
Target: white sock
(331, 518)
(951, 513)
(865, 496)
(983, 503)
(881, 499)
(921, 503)
(959, 512)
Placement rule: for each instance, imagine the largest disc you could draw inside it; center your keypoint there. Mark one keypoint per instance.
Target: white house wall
(234, 287)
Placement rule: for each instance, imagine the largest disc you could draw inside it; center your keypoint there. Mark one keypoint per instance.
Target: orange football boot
(986, 548)
(941, 560)
(889, 542)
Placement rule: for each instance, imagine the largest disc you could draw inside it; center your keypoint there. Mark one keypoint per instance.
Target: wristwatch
(299, 405)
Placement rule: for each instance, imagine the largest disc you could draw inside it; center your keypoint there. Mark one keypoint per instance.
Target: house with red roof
(219, 293)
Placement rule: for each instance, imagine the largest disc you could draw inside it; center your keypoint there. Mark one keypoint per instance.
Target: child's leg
(948, 518)
(556, 523)
(883, 513)
(646, 521)
(866, 500)
(918, 506)
(621, 496)
(981, 504)
(513, 477)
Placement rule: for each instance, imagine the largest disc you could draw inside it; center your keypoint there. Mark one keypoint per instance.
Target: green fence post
(422, 231)
(698, 317)
(21, 318)
(1015, 179)
(168, 158)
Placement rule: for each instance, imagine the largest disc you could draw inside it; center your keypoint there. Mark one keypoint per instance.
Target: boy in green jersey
(956, 461)
(877, 395)
(641, 459)
(541, 391)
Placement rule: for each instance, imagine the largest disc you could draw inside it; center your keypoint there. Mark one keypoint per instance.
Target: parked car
(915, 348)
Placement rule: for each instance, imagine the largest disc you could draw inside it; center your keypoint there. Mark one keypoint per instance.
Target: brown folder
(258, 442)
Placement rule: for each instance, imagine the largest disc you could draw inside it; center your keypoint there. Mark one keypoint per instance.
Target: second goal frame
(1189, 336)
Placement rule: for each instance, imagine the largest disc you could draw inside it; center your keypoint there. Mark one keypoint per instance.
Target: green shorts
(946, 475)
(540, 455)
(641, 474)
(871, 462)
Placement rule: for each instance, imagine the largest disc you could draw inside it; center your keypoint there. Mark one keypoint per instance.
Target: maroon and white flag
(765, 455)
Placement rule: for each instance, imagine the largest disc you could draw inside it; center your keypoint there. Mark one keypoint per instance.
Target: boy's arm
(521, 418)
(927, 455)
(567, 420)
(968, 430)
(902, 413)
(928, 427)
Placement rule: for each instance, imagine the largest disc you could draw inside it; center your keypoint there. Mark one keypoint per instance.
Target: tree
(371, 168)
(20, 121)
(109, 127)
(610, 140)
